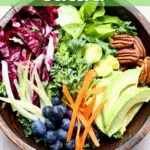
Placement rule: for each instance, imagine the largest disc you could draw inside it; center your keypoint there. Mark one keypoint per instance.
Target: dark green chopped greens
(106, 48)
(127, 28)
(26, 124)
(69, 66)
(118, 135)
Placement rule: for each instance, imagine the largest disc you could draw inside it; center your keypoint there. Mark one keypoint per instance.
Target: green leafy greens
(127, 28)
(69, 66)
(118, 135)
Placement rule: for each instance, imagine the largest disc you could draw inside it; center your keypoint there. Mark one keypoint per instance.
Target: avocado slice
(99, 97)
(99, 119)
(129, 117)
(125, 96)
(115, 88)
(141, 95)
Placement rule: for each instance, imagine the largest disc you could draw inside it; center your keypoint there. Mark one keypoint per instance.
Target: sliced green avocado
(99, 118)
(93, 53)
(103, 82)
(129, 117)
(142, 95)
(115, 88)
(125, 96)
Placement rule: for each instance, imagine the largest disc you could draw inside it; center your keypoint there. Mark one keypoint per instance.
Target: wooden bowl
(137, 129)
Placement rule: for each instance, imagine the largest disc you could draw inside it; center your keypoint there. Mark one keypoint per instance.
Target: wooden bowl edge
(130, 144)
(138, 137)
(13, 137)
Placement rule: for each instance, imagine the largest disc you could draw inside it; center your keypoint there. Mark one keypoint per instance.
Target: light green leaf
(108, 19)
(99, 31)
(88, 9)
(99, 13)
(74, 30)
(68, 15)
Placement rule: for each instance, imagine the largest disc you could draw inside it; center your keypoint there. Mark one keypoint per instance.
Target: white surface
(5, 144)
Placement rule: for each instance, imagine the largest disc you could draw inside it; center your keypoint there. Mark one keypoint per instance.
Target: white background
(5, 144)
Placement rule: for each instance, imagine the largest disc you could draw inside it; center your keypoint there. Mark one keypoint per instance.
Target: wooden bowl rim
(126, 146)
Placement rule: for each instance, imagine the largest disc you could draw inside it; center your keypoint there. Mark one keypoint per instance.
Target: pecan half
(122, 36)
(121, 44)
(127, 56)
(121, 41)
(148, 71)
(145, 73)
(138, 45)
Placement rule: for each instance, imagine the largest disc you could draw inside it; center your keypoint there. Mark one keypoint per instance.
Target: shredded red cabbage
(29, 33)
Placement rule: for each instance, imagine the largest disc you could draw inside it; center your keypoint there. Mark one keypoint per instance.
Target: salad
(72, 74)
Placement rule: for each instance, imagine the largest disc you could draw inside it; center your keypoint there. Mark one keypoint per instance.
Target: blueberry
(50, 137)
(56, 100)
(65, 124)
(70, 145)
(38, 128)
(46, 111)
(56, 114)
(69, 114)
(63, 107)
(62, 135)
(58, 145)
(49, 125)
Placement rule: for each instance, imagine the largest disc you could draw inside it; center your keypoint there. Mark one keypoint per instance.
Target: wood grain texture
(137, 129)
(13, 137)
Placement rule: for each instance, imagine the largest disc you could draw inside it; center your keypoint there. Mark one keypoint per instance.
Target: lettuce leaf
(99, 12)
(68, 15)
(74, 30)
(99, 31)
(108, 19)
(88, 9)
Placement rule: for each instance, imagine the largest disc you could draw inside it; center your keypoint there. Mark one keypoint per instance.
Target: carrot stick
(77, 140)
(95, 91)
(67, 94)
(89, 108)
(87, 80)
(90, 121)
(91, 132)
(81, 109)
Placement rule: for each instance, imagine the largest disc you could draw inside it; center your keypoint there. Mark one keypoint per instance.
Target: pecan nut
(138, 45)
(127, 56)
(145, 73)
(121, 41)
